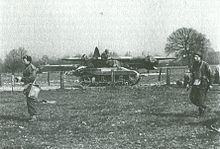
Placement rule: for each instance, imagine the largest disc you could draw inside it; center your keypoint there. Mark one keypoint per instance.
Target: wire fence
(163, 75)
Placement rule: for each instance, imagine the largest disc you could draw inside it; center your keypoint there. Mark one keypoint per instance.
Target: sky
(60, 28)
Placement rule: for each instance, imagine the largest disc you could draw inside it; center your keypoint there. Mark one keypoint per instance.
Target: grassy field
(121, 117)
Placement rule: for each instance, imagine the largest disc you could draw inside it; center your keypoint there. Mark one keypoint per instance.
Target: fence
(49, 80)
(163, 75)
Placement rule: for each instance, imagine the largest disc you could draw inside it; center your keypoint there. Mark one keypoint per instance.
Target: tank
(105, 76)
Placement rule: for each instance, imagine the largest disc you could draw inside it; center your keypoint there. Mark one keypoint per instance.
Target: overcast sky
(67, 27)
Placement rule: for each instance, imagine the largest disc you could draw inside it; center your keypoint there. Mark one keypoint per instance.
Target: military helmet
(106, 51)
(199, 53)
(27, 57)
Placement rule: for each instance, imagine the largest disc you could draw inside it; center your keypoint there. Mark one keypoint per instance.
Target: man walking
(200, 82)
(29, 76)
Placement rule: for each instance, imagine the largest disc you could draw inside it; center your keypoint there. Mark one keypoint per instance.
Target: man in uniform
(200, 82)
(104, 57)
(84, 59)
(29, 76)
(216, 76)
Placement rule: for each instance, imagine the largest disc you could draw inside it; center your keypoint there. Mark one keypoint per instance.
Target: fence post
(113, 76)
(168, 76)
(48, 78)
(12, 82)
(0, 79)
(61, 80)
(159, 77)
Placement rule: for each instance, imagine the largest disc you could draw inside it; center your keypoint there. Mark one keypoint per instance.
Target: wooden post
(168, 76)
(113, 77)
(48, 78)
(61, 80)
(12, 82)
(159, 77)
(0, 79)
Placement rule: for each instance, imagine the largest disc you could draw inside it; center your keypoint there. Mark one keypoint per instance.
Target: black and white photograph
(109, 74)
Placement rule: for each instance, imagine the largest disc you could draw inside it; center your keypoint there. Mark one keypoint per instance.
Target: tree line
(13, 61)
(182, 43)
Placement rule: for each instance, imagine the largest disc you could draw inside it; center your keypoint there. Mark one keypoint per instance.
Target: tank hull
(107, 76)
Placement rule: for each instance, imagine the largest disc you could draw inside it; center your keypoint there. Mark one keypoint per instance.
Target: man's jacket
(201, 72)
(29, 74)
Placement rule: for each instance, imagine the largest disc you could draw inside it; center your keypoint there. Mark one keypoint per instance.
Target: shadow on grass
(26, 146)
(14, 118)
(176, 115)
(10, 101)
(207, 122)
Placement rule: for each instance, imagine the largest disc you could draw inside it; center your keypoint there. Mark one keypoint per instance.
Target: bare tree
(21, 52)
(1, 65)
(113, 54)
(13, 60)
(128, 53)
(184, 42)
(45, 59)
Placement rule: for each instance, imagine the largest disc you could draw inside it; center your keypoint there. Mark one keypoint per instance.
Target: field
(157, 116)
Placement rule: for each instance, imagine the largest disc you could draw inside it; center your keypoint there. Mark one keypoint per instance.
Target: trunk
(187, 52)
(189, 62)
